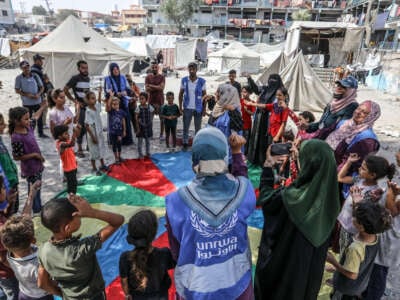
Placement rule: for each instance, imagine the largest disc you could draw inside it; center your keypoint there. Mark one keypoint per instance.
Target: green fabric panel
(254, 174)
(107, 190)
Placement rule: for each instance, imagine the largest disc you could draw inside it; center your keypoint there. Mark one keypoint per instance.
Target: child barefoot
(94, 130)
(143, 270)
(116, 126)
(69, 260)
(144, 120)
(25, 147)
(355, 266)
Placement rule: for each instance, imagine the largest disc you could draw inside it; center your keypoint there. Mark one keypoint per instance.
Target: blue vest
(198, 93)
(213, 262)
(223, 124)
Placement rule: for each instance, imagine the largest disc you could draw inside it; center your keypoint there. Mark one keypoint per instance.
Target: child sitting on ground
(143, 270)
(94, 129)
(144, 121)
(18, 236)
(116, 126)
(247, 112)
(69, 260)
(170, 114)
(354, 269)
(65, 147)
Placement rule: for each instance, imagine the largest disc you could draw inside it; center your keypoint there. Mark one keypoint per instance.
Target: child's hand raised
(353, 158)
(356, 194)
(83, 207)
(236, 142)
(393, 188)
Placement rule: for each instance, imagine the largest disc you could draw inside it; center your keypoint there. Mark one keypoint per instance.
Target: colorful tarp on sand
(135, 185)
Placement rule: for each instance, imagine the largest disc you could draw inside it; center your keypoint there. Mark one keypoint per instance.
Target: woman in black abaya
(258, 142)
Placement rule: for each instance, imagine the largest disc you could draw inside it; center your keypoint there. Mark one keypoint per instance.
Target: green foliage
(179, 11)
(301, 15)
(39, 10)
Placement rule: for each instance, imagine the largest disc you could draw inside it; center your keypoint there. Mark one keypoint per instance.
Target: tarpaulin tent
(137, 45)
(268, 53)
(275, 67)
(306, 90)
(189, 50)
(237, 57)
(165, 43)
(72, 41)
(352, 33)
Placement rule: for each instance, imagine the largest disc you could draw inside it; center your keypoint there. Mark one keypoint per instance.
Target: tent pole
(52, 67)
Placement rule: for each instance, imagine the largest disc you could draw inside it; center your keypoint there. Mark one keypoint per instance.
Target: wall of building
(6, 13)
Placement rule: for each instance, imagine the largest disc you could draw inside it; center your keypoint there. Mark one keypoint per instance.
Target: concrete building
(6, 13)
(246, 20)
(393, 24)
(134, 16)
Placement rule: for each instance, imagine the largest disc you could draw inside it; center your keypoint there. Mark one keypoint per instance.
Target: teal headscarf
(312, 201)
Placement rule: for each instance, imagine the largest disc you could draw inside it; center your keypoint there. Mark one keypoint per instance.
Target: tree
(301, 15)
(179, 11)
(39, 10)
(65, 13)
(109, 20)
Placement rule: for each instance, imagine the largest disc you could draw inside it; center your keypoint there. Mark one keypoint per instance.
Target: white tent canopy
(268, 53)
(235, 56)
(136, 45)
(352, 40)
(72, 41)
(188, 50)
(306, 90)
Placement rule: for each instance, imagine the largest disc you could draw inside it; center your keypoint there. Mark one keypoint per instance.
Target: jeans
(10, 288)
(32, 109)
(81, 121)
(187, 119)
(140, 142)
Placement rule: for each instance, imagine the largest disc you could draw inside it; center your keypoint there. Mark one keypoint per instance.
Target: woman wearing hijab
(258, 143)
(356, 135)
(341, 107)
(226, 114)
(117, 83)
(298, 221)
(206, 222)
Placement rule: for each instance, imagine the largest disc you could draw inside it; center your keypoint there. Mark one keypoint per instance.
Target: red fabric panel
(143, 175)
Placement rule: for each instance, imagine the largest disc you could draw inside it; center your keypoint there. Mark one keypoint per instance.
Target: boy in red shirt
(278, 117)
(65, 146)
(247, 112)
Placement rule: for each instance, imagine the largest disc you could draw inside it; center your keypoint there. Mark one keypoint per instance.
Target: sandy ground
(387, 128)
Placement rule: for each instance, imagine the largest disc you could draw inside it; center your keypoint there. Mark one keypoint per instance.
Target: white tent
(268, 53)
(306, 90)
(72, 41)
(137, 45)
(237, 57)
(188, 50)
(352, 38)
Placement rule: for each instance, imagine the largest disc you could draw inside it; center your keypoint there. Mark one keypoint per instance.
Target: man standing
(191, 94)
(232, 81)
(37, 68)
(80, 85)
(30, 87)
(154, 85)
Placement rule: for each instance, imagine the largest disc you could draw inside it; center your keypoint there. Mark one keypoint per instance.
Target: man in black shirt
(232, 81)
(80, 85)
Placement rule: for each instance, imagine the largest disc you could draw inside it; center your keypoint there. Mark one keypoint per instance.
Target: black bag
(280, 149)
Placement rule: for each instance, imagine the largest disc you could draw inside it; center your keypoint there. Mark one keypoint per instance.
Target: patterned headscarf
(350, 129)
(228, 95)
(349, 97)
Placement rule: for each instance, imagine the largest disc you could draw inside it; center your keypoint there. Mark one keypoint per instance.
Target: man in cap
(191, 104)
(30, 87)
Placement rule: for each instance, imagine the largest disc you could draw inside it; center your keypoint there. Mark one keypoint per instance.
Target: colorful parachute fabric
(136, 185)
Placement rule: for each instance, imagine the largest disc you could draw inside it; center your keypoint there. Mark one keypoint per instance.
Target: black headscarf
(268, 92)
